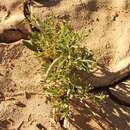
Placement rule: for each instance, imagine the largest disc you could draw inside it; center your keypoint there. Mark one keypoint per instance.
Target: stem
(51, 66)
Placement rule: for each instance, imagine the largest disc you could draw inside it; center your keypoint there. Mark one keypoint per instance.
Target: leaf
(30, 46)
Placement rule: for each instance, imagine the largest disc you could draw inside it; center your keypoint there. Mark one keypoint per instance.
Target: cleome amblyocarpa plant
(64, 58)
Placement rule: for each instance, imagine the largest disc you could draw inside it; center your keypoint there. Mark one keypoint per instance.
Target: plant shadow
(48, 3)
(106, 116)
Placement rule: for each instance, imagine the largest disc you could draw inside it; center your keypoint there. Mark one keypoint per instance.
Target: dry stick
(20, 125)
(28, 15)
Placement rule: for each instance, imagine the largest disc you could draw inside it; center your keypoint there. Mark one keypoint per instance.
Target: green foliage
(65, 59)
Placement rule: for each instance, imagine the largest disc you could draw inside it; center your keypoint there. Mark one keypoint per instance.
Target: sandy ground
(22, 105)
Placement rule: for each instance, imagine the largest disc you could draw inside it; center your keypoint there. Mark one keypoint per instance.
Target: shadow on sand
(107, 116)
(48, 3)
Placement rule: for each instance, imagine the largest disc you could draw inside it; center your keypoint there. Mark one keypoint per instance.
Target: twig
(20, 125)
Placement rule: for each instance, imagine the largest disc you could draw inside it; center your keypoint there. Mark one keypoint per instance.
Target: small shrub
(60, 47)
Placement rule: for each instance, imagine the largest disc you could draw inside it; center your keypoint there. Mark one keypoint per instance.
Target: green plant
(65, 60)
